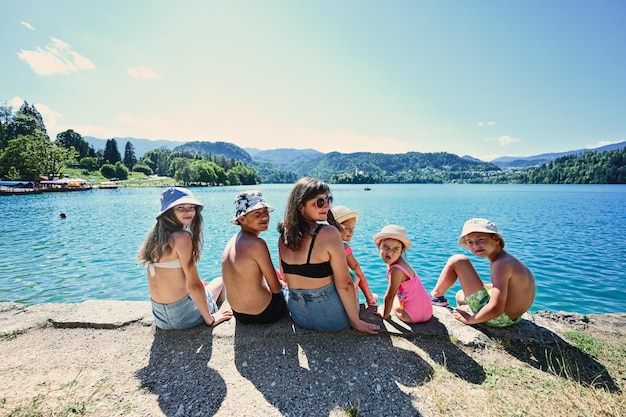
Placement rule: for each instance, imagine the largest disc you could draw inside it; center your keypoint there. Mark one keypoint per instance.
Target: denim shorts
(182, 314)
(319, 309)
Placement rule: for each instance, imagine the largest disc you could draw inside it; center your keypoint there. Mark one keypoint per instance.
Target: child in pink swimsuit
(347, 218)
(406, 296)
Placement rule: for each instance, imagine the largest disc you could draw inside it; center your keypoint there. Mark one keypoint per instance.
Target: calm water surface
(571, 236)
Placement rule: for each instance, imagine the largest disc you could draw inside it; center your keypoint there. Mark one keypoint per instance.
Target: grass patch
(12, 334)
(353, 409)
(64, 402)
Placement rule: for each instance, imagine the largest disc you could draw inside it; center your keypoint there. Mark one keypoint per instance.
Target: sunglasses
(321, 202)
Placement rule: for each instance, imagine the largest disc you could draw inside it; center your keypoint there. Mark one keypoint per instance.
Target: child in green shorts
(512, 288)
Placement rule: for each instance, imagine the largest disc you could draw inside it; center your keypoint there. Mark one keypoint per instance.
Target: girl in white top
(179, 298)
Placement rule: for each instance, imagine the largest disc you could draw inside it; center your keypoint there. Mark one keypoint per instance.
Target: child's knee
(457, 259)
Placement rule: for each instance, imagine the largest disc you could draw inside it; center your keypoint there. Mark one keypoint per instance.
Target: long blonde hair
(158, 240)
(294, 226)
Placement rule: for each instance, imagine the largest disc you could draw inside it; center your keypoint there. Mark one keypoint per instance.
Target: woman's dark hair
(294, 226)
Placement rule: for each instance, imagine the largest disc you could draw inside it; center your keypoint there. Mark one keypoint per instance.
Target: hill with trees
(26, 153)
(592, 167)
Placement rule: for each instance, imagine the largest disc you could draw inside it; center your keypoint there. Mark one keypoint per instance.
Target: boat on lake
(18, 188)
(109, 185)
(65, 184)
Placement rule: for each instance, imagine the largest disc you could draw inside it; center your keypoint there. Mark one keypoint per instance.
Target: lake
(571, 236)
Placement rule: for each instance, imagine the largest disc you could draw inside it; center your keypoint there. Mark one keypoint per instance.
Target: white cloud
(27, 25)
(504, 140)
(56, 58)
(486, 124)
(144, 73)
(604, 143)
(346, 141)
(50, 118)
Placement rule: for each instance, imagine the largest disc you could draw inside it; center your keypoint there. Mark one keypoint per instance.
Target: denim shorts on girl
(319, 309)
(182, 314)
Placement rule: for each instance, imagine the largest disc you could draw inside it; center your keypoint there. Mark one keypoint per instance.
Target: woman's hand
(366, 327)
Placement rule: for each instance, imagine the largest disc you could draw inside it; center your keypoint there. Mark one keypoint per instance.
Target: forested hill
(590, 168)
(412, 167)
(225, 149)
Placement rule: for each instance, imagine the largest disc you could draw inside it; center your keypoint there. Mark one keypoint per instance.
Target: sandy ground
(275, 370)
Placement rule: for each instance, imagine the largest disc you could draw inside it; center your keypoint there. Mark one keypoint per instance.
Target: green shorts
(480, 299)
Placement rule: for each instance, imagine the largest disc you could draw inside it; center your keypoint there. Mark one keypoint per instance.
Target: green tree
(28, 155)
(129, 155)
(141, 167)
(6, 114)
(69, 138)
(111, 152)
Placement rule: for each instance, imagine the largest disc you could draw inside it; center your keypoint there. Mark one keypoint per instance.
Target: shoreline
(111, 353)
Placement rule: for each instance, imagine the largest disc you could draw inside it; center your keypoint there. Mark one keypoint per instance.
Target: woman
(171, 250)
(312, 260)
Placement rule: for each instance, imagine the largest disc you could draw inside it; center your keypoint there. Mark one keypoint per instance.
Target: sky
(480, 78)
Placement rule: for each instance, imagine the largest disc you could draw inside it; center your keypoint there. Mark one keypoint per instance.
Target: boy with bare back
(253, 288)
(512, 288)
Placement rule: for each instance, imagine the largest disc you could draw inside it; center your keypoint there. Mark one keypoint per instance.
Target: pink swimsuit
(414, 298)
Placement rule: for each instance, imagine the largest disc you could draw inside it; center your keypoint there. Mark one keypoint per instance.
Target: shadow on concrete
(545, 350)
(433, 338)
(304, 373)
(177, 372)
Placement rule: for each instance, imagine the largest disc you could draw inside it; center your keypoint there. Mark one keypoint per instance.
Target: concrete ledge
(110, 314)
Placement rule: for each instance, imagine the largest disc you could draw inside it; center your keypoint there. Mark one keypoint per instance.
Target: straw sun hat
(343, 213)
(392, 231)
(479, 225)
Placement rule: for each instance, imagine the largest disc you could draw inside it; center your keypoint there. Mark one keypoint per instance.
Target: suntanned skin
(347, 231)
(247, 270)
(170, 285)
(512, 287)
(328, 246)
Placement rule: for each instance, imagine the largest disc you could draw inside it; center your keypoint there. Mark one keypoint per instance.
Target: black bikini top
(309, 270)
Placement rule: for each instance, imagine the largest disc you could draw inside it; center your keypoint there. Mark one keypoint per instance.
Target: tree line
(27, 153)
(608, 167)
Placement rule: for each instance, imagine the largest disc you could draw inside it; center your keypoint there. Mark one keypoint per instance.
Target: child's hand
(461, 316)
(380, 311)
(373, 300)
(221, 316)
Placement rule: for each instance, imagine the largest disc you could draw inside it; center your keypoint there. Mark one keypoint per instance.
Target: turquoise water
(571, 236)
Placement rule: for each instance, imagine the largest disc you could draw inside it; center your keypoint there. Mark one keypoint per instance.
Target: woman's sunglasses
(321, 202)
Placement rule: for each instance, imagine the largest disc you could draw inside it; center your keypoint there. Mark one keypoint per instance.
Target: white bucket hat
(343, 213)
(479, 225)
(248, 201)
(392, 231)
(175, 196)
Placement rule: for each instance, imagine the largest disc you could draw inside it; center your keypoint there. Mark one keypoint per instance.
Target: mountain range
(286, 159)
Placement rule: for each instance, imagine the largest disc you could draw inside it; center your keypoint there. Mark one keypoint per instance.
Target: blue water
(571, 236)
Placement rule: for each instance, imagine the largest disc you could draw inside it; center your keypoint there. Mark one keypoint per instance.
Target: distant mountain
(313, 162)
(141, 145)
(537, 160)
(286, 159)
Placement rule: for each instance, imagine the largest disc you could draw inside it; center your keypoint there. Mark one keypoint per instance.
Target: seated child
(179, 298)
(406, 295)
(512, 288)
(253, 288)
(347, 218)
